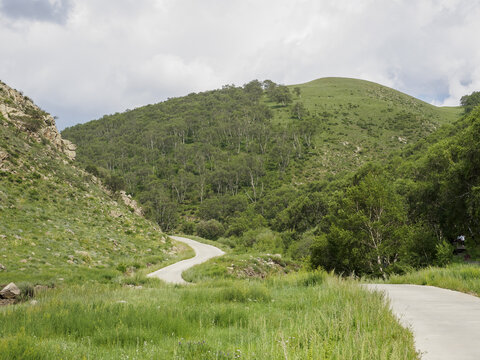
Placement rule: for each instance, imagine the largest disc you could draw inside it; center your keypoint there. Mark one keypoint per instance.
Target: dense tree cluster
(469, 102)
(400, 215)
(213, 155)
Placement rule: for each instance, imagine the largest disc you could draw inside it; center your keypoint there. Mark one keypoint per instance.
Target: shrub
(444, 253)
(114, 183)
(188, 227)
(211, 229)
(92, 169)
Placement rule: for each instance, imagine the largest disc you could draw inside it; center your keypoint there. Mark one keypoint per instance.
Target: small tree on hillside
(254, 90)
(281, 94)
(299, 111)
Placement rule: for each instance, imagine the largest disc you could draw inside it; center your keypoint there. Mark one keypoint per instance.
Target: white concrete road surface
(445, 323)
(173, 273)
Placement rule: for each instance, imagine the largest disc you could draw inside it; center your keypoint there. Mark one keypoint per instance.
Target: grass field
(298, 316)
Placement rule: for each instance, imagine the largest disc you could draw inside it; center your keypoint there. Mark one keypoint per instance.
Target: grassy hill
(58, 223)
(363, 121)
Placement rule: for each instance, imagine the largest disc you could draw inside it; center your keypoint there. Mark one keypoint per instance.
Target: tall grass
(460, 277)
(297, 316)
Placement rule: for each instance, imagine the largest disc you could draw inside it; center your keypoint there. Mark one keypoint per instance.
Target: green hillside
(364, 121)
(225, 161)
(58, 223)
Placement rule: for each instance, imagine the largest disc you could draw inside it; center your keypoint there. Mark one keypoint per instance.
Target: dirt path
(173, 273)
(445, 323)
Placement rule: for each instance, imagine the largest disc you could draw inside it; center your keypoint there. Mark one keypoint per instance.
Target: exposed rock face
(65, 146)
(127, 199)
(26, 116)
(11, 291)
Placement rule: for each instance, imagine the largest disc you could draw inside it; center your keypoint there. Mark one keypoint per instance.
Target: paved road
(445, 323)
(173, 273)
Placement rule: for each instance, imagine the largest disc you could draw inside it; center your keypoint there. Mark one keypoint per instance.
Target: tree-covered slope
(406, 212)
(57, 222)
(238, 155)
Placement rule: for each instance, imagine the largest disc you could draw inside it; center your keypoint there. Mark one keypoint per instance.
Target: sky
(82, 59)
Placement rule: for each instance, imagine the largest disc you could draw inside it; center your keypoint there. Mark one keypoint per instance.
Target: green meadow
(296, 316)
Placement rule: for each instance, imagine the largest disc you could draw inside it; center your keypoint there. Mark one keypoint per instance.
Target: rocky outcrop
(20, 111)
(51, 133)
(127, 199)
(11, 291)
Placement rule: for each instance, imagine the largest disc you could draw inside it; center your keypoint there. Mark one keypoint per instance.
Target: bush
(444, 253)
(31, 124)
(114, 183)
(266, 240)
(188, 227)
(92, 169)
(211, 229)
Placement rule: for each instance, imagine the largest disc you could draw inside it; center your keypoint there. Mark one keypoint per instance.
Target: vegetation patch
(225, 319)
(246, 266)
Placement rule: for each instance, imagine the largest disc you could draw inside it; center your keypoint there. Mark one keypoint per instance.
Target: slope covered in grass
(364, 121)
(57, 222)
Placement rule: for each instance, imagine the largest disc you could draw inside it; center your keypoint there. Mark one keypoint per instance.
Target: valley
(308, 189)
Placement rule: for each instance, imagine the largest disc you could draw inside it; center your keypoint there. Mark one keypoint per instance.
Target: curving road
(173, 273)
(445, 323)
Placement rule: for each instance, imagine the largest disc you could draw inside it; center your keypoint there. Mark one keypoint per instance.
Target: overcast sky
(81, 59)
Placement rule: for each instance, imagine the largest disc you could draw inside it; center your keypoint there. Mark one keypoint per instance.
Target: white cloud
(98, 57)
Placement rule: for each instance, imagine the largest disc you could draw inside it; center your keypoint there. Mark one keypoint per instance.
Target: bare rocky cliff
(19, 110)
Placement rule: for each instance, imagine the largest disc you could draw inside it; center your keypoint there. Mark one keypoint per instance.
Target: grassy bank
(241, 266)
(298, 316)
(459, 277)
(59, 225)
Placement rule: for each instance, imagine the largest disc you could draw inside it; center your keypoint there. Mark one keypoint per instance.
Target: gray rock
(2, 267)
(11, 291)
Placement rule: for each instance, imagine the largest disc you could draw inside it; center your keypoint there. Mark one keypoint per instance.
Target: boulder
(11, 291)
